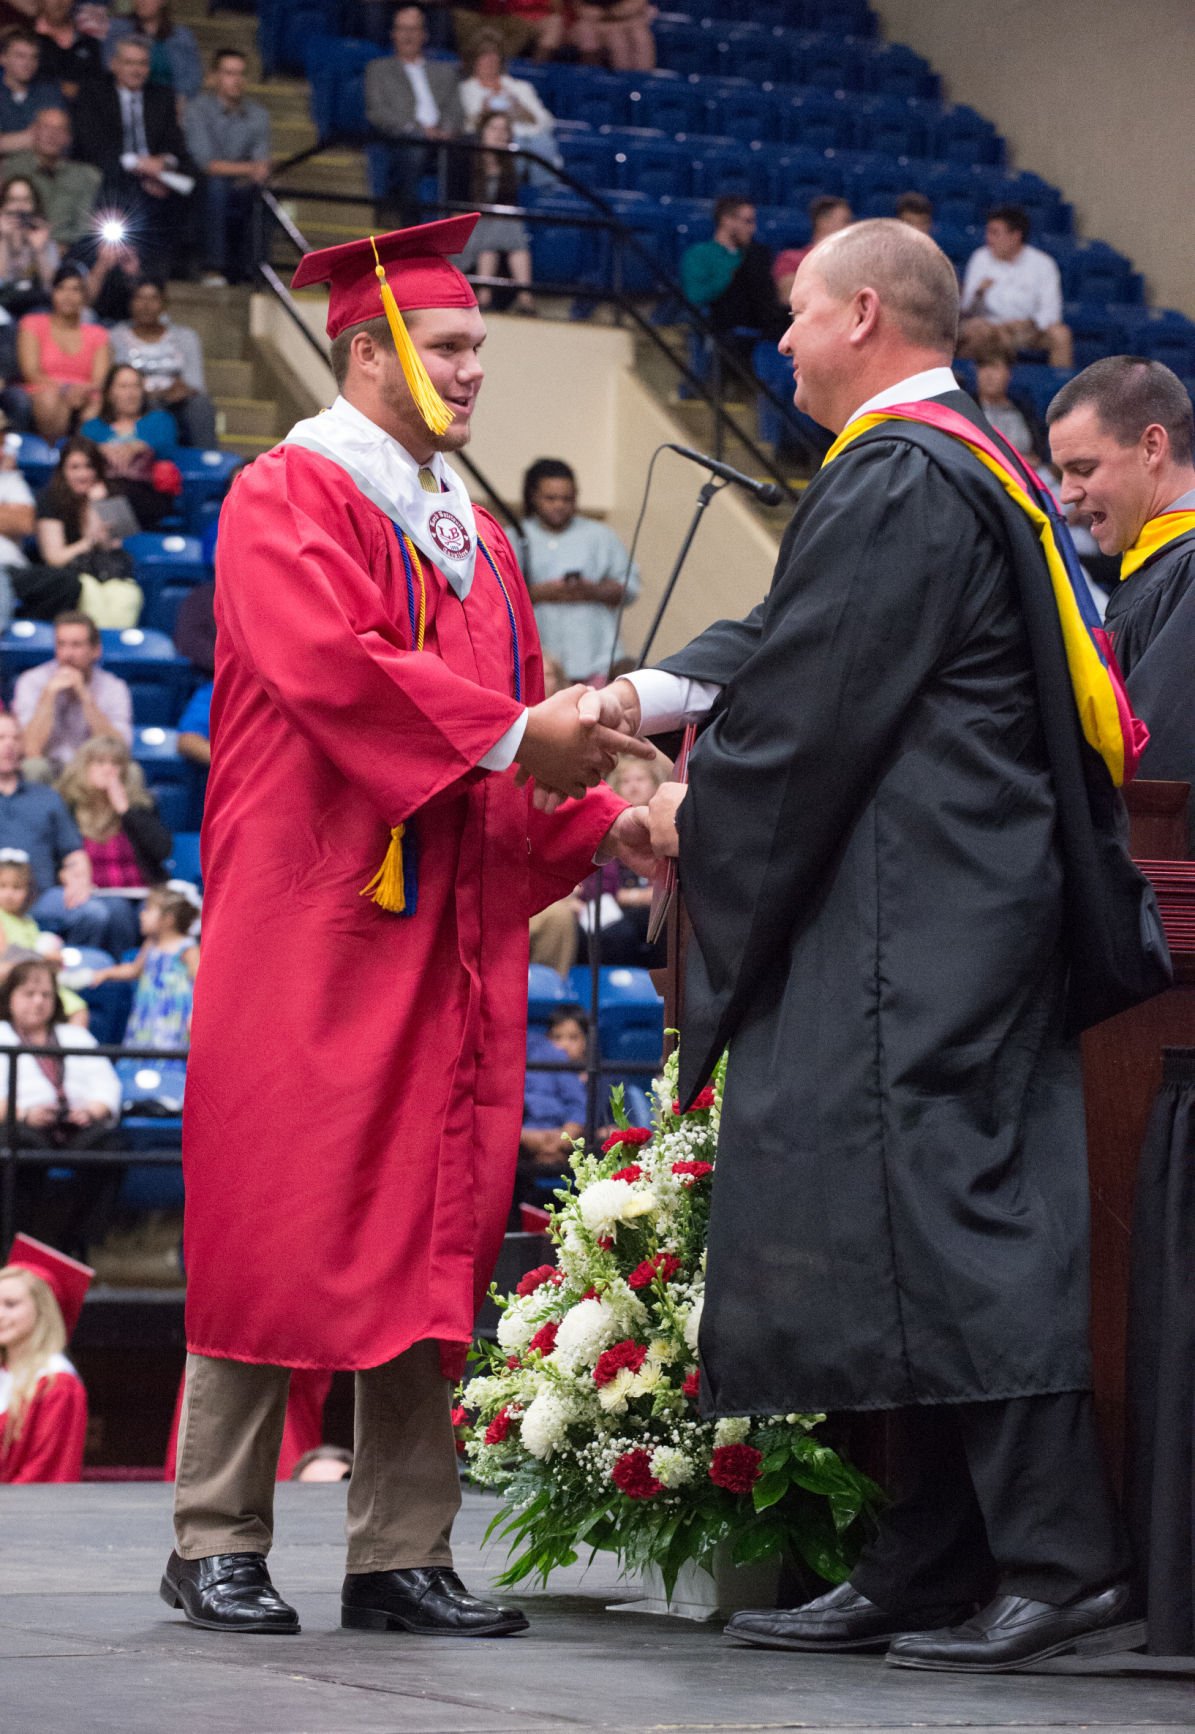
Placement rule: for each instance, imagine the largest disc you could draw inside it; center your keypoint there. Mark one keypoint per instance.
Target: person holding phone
(577, 569)
(29, 256)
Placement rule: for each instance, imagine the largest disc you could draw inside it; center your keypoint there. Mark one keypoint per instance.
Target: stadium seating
(184, 861)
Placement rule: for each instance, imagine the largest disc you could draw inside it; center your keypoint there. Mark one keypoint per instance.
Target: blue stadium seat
(960, 135)
(672, 104)
(184, 860)
(546, 993)
(817, 119)
(653, 228)
(891, 69)
(745, 114)
(630, 1012)
(170, 556)
(1096, 332)
(206, 477)
(24, 645)
(1038, 383)
(160, 679)
(824, 62)
(895, 126)
(726, 165)
(1162, 334)
(86, 957)
(589, 158)
(175, 782)
(36, 459)
(108, 1008)
(563, 252)
(683, 47)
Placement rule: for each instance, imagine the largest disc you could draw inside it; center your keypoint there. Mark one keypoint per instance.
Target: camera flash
(112, 231)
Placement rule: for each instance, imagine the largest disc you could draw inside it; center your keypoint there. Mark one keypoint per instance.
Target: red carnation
(460, 1418)
(545, 1338)
(634, 1172)
(664, 1265)
(632, 1473)
(499, 1427)
(513, 1361)
(735, 1467)
(702, 1100)
(691, 1172)
(692, 1384)
(604, 1242)
(535, 1278)
(628, 1135)
(611, 1361)
(590, 1293)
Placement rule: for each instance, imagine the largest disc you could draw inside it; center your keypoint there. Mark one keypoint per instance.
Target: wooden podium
(1122, 1070)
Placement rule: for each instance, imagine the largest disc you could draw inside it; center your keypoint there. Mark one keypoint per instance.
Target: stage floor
(87, 1648)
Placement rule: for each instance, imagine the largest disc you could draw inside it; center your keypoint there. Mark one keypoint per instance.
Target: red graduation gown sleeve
(50, 1444)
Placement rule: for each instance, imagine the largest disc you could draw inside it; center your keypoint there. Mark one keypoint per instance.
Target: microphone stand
(708, 490)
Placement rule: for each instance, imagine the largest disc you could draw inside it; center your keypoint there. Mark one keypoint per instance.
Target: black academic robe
(872, 852)
(1151, 620)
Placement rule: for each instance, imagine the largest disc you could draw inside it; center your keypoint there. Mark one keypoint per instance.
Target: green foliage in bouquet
(584, 1416)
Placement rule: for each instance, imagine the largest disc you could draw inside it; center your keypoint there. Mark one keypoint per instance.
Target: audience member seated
(138, 445)
(71, 43)
(129, 129)
(16, 522)
(553, 1102)
(917, 211)
(494, 180)
(1010, 415)
(622, 900)
(324, 1463)
(66, 191)
(490, 89)
(61, 705)
(576, 571)
(70, 1102)
(62, 359)
(43, 1406)
(164, 971)
(195, 726)
(29, 255)
(827, 214)
(81, 523)
(169, 358)
(174, 60)
(35, 819)
(229, 139)
(411, 102)
(526, 29)
(1012, 294)
(729, 277)
(22, 937)
(614, 33)
(23, 94)
(126, 842)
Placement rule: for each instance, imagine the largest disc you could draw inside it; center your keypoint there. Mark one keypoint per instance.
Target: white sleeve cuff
(502, 754)
(667, 701)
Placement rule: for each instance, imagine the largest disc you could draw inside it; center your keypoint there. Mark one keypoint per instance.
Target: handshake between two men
(572, 740)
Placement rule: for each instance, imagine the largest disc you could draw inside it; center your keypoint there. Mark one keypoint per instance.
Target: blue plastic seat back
(546, 993)
(184, 860)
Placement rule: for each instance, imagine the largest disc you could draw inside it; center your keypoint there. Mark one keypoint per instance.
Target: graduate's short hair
(1129, 394)
(911, 274)
(338, 355)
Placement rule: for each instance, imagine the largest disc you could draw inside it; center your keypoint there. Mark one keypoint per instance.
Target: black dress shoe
(428, 1599)
(842, 1619)
(227, 1592)
(1014, 1632)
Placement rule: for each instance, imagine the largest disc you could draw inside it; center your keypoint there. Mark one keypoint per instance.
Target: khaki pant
(554, 936)
(404, 1491)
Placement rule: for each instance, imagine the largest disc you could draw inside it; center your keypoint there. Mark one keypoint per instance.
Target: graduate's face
(18, 1312)
(449, 341)
(817, 344)
(1110, 485)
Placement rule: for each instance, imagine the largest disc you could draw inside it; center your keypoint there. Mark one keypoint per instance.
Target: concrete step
(290, 136)
(229, 378)
(332, 172)
(286, 98)
(247, 415)
(248, 445)
(220, 316)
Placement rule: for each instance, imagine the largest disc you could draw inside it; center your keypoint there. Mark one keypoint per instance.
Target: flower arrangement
(585, 1416)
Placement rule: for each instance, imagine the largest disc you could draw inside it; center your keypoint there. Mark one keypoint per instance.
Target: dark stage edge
(87, 1648)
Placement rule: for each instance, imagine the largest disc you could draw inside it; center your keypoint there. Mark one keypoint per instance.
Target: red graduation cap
(69, 1279)
(417, 266)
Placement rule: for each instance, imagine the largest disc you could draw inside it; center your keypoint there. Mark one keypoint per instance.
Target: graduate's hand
(661, 818)
(629, 841)
(567, 748)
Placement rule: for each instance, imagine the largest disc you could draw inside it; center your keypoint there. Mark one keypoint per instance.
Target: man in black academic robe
(1122, 434)
(892, 841)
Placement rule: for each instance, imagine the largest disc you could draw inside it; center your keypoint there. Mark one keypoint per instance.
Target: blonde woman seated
(43, 1406)
(125, 840)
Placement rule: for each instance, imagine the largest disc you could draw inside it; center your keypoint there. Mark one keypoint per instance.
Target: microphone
(767, 493)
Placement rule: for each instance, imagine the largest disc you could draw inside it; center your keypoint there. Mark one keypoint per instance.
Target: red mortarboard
(69, 1279)
(418, 269)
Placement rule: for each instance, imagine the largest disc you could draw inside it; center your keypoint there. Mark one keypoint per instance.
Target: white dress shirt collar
(933, 382)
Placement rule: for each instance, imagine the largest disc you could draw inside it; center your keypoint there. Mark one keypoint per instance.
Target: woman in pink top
(63, 361)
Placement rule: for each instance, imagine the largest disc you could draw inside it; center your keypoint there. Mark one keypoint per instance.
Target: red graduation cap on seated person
(390, 274)
(69, 1279)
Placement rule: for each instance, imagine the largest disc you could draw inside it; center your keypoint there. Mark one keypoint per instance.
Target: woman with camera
(28, 254)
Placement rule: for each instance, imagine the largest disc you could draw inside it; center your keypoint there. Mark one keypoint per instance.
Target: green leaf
(618, 1111)
(769, 1490)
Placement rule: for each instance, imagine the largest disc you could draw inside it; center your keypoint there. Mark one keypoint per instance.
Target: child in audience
(43, 1406)
(20, 934)
(554, 1102)
(164, 971)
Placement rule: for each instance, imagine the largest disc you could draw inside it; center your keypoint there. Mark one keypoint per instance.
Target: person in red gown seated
(43, 1406)
(391, 799)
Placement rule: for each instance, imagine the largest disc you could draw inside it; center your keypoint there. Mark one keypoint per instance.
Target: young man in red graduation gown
(354, 1092)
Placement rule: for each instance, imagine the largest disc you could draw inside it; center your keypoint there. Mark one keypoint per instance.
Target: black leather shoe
(227, 1592)
(428, 1599)
(842, 1619)
(1014, 1632)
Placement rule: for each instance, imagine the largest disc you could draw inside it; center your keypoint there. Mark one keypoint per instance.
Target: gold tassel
(428, 401)
(387, 887)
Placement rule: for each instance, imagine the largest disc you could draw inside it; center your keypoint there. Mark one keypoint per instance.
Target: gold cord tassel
(388, 887)
(428, 401)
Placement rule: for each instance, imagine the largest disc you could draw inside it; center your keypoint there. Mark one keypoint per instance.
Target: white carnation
(515, 1330)
(671, 1466)
(544, 1424)
(585, 1330)
(607, 1203)
(732, 1430)
(693, 1324)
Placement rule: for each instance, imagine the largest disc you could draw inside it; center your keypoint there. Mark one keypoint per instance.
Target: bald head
(908, 271)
